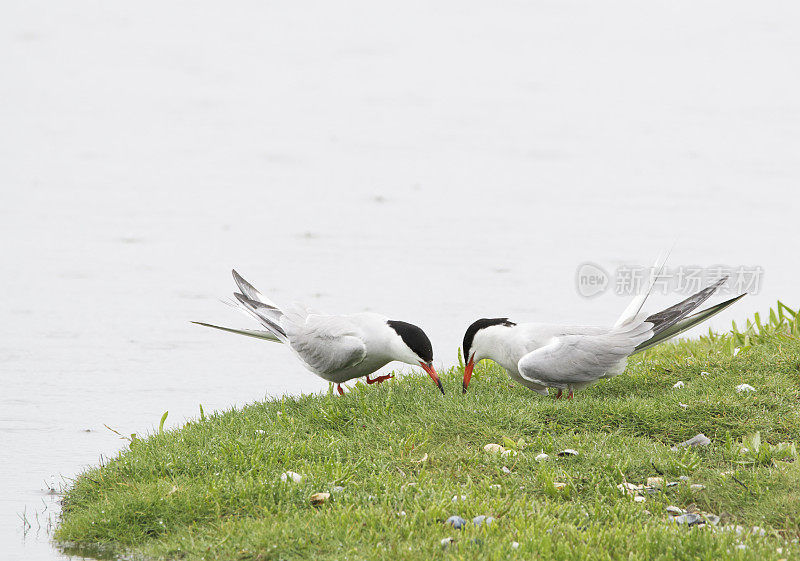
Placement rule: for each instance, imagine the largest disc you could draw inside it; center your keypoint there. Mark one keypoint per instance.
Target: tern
(335, 348)
(541, 356)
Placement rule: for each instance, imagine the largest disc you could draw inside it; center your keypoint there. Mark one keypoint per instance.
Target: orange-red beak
(428, 367)
(468, 374)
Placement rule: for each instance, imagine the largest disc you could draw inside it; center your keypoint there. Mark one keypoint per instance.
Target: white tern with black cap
(569, 358)
(335, 348)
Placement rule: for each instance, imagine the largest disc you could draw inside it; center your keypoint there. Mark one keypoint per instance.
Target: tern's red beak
(428, 367)
(467, 374)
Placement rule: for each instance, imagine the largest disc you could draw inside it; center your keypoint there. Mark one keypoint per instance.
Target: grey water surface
(437, 162)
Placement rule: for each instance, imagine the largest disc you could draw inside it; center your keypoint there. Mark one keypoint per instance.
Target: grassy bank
(394, 456)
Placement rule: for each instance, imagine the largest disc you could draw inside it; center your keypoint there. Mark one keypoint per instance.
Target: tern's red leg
(570, 394)
(379, 379)
(339, 389)
(558, 395)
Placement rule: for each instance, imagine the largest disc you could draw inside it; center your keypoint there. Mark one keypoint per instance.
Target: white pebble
(446, 541)
(736, 351)
(493, 448)
(697, 487)
(682, 405)
(456, 498)
(514, 545)
(542, 457)
(697, 440)
(704, 374)
(291, 476)
(745, 388)
(506, 470)
(639, 499)
(507, 453)
(678, 385)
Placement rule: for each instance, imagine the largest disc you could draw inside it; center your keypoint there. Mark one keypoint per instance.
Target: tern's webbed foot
(379, 379)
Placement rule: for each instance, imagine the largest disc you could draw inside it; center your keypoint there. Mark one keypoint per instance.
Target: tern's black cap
(415, 338)
(469, 336)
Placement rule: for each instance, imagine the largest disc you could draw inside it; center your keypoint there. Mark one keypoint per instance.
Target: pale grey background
(437, 162)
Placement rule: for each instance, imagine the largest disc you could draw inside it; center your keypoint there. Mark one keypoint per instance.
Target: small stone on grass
(291, 476)
(688, 519)
(319, 498)
(696, 440)
(456, 522)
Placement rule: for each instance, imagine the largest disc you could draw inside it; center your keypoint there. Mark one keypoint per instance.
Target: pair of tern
(539, 356)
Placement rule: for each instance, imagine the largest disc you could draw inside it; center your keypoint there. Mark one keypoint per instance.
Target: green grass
(212, 489)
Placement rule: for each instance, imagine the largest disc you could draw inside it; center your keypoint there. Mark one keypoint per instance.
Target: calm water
(436, 163)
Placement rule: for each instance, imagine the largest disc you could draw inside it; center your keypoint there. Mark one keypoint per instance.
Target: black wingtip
(237, 277)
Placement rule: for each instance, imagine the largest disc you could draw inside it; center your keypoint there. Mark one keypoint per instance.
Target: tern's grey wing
(251, 291)
(665, 319)
(580, 358)
(325, 343)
